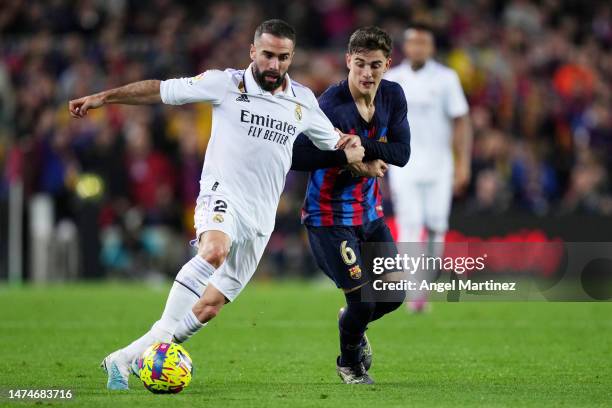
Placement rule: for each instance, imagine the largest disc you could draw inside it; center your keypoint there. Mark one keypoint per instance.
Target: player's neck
(417, 65)
(360, 98)
(364, 102)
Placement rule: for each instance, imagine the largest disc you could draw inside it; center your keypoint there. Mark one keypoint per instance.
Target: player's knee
(383, 308)
(391, 306)
(411, 233)
(357, 309)
(214, 253)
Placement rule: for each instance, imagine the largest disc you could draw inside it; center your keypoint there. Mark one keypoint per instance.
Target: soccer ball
(165, 368)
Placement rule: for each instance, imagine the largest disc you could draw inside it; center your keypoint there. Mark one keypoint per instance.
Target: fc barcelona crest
(298, 112)
(355, 272)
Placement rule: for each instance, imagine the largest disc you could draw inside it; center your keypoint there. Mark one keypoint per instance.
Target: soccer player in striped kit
(343, 205)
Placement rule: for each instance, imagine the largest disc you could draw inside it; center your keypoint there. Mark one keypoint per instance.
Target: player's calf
(352, 324)
(365, 353)
(205, 309)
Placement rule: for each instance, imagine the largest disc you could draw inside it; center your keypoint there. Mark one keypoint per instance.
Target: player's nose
(273, 64)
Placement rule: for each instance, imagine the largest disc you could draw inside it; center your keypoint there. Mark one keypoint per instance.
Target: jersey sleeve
(397, 149)
(210, 86)
(455, 103)
(306, 157)
(320, 130)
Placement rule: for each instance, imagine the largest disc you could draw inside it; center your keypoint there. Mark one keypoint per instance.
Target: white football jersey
(434, 97)
(249, 152)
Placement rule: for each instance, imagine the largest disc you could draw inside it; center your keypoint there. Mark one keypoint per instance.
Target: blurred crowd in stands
(537, 74)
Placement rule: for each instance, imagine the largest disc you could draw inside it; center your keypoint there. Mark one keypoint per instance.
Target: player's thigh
(337, 250)
(438, 199)
(379, 245)
(239, 267)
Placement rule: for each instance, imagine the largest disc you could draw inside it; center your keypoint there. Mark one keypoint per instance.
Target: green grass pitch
(276, 346)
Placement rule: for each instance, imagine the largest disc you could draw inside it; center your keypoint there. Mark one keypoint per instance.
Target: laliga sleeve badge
(218, 218)
(355, 272)
(194, 79)
(298, 112)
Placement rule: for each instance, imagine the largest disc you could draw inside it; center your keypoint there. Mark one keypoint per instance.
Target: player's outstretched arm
(307, 157)
(136, 93)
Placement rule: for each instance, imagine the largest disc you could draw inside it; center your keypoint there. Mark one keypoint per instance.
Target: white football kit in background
(422, 190)
(247, 159)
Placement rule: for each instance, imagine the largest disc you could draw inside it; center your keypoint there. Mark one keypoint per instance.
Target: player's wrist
(103, 97)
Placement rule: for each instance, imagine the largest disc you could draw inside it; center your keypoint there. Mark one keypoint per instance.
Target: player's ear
(348, 61)
(387, 64)
(253, 52)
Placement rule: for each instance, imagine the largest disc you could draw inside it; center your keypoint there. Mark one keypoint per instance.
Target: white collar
(251, 85)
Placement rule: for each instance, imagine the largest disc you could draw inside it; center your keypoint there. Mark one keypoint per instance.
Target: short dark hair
(370, 38)
(277, 28)
(420, 26)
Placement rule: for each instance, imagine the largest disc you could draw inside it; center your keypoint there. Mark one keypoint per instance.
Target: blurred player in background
(422, 191)
(343, 205)
(257, 114)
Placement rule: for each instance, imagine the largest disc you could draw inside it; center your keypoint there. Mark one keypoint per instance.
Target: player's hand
(374, 168)
(354, 152)
(346, 139)
(461, 178)
(78, 107)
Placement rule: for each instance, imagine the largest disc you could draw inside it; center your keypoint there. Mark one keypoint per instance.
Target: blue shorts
(338, 252)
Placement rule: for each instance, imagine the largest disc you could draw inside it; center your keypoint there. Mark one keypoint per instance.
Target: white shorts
(421, 205)
(215, 213)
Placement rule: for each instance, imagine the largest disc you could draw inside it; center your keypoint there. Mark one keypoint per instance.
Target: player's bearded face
(271, 58)
(269, 80)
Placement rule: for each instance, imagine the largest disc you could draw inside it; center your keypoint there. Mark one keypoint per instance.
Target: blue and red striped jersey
(334, 196)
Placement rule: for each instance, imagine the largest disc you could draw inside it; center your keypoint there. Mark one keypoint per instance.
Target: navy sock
(353, 323)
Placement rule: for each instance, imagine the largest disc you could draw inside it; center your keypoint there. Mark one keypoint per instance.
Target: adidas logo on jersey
(242, 98)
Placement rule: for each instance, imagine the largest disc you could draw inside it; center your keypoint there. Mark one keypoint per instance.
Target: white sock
(188, 286)
(188, 327)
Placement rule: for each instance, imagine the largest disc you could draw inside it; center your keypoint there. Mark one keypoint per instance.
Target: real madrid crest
(218, 218)
(298, 112)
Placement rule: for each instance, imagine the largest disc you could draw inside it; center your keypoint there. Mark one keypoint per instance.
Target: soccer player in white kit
(257, 114)
(441, 146)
